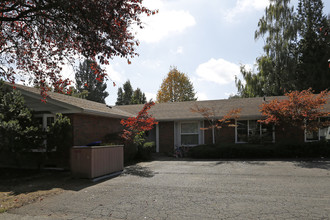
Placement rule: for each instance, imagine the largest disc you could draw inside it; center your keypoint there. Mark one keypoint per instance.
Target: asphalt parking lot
(174, 189)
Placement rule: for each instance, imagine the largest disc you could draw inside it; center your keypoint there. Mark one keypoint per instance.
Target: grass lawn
(20, 186)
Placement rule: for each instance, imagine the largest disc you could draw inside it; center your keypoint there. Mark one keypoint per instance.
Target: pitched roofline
(56, 99)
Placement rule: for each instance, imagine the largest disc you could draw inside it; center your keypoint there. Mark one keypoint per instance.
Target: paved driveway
(196, 190)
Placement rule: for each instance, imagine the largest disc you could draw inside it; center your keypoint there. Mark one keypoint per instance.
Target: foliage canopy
(37, 37)
(126, 95)
(300, 109)
(176, 87)
(86, 80)
(136, 127)
(296, 51)
(18, 132)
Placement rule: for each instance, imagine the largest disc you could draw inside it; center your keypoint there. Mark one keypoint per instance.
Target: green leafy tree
(59, 137)
(313, 48)
(87, 80)
(275, 67)
(128, 96)
(296, 50)
(18, 132)
(176, 87)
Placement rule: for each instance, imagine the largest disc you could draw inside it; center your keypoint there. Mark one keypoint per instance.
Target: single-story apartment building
(177, 124)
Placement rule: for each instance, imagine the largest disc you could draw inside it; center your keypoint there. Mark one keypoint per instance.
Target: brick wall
(89, 128)
(166, 137)
(289, 134)
(222, 135)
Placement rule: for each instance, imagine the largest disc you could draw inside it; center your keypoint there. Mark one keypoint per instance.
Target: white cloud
(201, 96)
(178, 50)
(68, 72)
(151, 64)
(243, 6)
(150, 95)
(163, 24)
(114, 75)
(218, 71)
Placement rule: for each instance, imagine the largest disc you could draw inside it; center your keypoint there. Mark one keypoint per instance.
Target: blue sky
(206, 39)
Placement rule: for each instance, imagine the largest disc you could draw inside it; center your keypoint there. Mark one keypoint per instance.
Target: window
(325, 133)
(45, 120)
(242, 131)
(189, 133)
(320, 134)
(252, 131)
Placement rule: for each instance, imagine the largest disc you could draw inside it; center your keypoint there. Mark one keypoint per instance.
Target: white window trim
(198, 133)
(248, 129)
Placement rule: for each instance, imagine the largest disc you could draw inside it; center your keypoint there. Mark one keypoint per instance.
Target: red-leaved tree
(211, 116)
(136, 127)
(38, 37)
(300, 109)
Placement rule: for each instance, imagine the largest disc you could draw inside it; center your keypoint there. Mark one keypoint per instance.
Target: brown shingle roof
(250, 108)
(83, 105)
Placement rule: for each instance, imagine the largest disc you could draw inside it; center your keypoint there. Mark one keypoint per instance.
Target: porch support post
(157, 138)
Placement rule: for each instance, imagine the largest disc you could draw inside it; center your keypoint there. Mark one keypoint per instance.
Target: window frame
(44, 118)
(259, 129)
(318, 132)
(182, 134)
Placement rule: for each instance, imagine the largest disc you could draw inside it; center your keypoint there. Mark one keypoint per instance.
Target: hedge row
(258, 151)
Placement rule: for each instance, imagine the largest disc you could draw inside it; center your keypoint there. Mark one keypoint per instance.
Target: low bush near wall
(258, 151)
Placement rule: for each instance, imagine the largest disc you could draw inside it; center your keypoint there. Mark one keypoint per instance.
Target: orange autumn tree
(136, 127)
(300, 109)
(210, 115)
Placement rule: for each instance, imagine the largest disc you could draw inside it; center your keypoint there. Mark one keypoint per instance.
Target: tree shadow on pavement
(17, 181)
(137, 170)
(313, 164)
(249, 162)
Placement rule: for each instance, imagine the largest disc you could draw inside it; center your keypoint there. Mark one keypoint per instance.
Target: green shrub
(254, 151)
(145, 151)
(18, 132)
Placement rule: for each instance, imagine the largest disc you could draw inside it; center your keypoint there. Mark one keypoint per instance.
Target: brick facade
(166, 137)
(90, 128)
(286, 134)
(222, 135)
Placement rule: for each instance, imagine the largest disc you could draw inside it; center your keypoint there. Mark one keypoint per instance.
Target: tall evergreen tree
(120, 96)
(138, 97)
(313, 48)
(128, 93)
(86, 80)
(128, 96)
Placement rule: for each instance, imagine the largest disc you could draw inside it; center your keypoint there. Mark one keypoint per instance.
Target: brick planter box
(95, 161)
